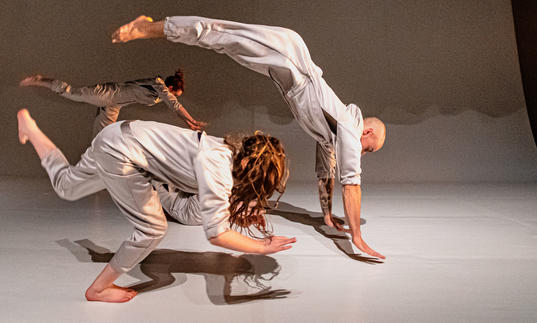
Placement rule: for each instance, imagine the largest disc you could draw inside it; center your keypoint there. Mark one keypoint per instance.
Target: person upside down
(343, 136)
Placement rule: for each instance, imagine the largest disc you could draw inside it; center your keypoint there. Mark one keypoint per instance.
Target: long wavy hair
(259, 169)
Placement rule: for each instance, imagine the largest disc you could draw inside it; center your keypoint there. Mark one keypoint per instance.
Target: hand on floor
(360, 244)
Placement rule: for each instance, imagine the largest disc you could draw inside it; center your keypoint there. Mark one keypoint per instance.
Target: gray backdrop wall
(443, 75)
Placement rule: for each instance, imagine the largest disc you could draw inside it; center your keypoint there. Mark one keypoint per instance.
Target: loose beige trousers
(107, 164)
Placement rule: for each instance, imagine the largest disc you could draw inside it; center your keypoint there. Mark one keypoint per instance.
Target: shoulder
(213, 166)
(214, 151)
(215, 157)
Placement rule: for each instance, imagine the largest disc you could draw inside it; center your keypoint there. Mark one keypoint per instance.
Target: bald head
(373, 135)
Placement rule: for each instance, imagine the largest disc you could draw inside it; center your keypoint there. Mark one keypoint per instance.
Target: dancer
(342, 134)
(111, 97)
(232, 180)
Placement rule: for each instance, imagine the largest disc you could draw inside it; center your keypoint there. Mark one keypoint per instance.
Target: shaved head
(374, 135)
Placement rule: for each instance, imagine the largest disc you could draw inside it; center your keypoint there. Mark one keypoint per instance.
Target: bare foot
(31, 80)
(133, 30)
(26, 125)
(112, 294)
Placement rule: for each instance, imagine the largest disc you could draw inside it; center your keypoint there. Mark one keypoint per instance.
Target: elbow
(218, 237)
(220, 240)
(215, 241)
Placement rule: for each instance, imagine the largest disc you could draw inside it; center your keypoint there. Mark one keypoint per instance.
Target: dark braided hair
(259, 169)
(176, 81)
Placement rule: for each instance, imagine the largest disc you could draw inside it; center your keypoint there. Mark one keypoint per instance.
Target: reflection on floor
(454, 253)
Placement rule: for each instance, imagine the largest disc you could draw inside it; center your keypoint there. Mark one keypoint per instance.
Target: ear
(170, 88)
(368, 132)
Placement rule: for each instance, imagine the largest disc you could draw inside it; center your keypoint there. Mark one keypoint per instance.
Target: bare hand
(133, 30)
(277, 243)
(330, 221)
(360, 244)
(196, 125)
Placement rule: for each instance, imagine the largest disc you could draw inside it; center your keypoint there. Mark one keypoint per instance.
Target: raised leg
(264, 49)
(98, 95)
(29, 131)
(272, 51)
(103, 288)
(70, 182)
(101, 95)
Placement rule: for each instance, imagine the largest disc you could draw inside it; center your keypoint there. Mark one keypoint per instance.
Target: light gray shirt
(199, 166)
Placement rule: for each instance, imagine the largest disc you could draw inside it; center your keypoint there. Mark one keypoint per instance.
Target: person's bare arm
(191, 122)
(326, 189)
(325, 168)
(238, 242)
(173, 103)
(142, 27)
(352, 202)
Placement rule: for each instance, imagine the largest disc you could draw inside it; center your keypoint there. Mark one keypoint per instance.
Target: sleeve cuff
(355, 180)
(167, 27)
(217, 230)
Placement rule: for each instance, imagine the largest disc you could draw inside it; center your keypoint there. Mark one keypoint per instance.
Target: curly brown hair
(259, 169)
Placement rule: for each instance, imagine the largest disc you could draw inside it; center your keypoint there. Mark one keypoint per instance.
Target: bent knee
(143, 238)
(159, 231)
(67, 195)
(293, 37)
(65, 190)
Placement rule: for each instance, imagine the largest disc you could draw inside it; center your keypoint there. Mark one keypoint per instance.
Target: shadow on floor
(315, 220)
(168, 268)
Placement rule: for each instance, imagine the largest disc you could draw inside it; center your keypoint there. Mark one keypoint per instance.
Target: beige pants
(100, 95)
(108, 164)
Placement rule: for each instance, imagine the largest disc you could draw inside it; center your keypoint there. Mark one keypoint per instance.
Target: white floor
(454, 253)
